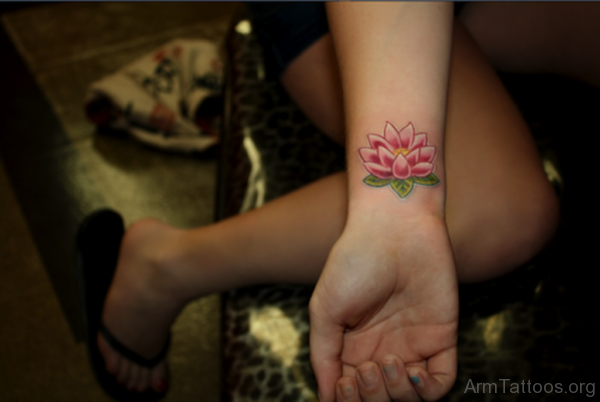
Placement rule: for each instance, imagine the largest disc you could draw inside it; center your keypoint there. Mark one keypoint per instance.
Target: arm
(376, 295)
(394, 60)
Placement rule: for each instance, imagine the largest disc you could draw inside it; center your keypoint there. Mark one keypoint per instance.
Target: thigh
(534, 37)
(517, 37)
(313, 82)
(500, 207)
(298, 50)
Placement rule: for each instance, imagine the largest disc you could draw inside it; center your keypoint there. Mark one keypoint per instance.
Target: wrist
(361, 213)
(398, 171)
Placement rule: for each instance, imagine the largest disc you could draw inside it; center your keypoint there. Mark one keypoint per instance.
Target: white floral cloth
(168, 99)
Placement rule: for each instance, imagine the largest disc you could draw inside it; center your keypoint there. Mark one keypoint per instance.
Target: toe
(132, 379)
(130, 375)
(143, 380)
(158, 377)
(123, 371)
(111, 359)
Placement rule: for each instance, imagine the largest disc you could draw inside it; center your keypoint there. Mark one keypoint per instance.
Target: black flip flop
(98, 243)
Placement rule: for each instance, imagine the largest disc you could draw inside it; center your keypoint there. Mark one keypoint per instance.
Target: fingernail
(416, 378)
(348, 391)
(390, 370)
(368, 377)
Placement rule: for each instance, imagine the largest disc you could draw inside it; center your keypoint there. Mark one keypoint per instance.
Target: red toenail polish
(161, 386)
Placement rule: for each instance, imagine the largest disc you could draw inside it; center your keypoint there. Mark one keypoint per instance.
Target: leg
(500, 207)
(559, 38)
(500, 211)
(321, 101)
(161, 268)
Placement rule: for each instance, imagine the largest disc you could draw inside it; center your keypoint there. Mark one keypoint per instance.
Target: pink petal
(391, 135)
(386, 157)
(401, 168)
(407, 135)
(377, 141)
(419, 141)
(422, 169)
(427, 154)
(368, 155)
(381, 172)
(413, 157)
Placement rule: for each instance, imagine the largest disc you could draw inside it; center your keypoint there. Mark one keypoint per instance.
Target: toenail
(368, 377)
(160, 385)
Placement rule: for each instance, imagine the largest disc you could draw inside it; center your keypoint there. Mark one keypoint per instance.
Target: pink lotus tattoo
(400, 159)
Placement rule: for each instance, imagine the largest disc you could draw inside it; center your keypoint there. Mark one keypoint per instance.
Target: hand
(388, 290)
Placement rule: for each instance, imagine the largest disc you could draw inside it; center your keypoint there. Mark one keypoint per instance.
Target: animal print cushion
(268, 149)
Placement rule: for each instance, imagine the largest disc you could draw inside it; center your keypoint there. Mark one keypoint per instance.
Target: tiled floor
(54, 169)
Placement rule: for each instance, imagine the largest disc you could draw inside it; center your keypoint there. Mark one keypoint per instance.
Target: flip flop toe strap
(131, 355)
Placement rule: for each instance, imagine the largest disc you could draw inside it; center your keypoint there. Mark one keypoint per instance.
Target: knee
(513, 235)
(515, 37)
(534, 225)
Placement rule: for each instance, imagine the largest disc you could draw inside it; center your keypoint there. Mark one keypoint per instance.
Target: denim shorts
(285, 30)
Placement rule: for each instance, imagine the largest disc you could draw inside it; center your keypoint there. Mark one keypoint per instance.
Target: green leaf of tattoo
(403, 187)
(375, 182)
(430, 180)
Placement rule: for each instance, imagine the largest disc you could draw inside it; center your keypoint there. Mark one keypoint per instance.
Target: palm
(406, 332)
(399, 298)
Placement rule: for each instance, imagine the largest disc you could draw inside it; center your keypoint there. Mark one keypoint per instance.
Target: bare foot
(141, 305)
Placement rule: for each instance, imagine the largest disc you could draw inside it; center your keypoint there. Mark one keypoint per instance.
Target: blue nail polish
(415, 379)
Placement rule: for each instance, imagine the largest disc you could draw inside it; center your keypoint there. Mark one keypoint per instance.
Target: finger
(370, 383)
(435, 382)
(347, 391)
(326, 342)
(397, 382)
